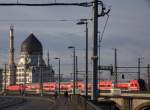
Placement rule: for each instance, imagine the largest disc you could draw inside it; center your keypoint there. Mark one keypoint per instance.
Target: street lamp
(82, 22)
(139, 66)
(41, 75)
(23, 90)
(76, 71)
(72, 47)
(58, 75)
(115, 67)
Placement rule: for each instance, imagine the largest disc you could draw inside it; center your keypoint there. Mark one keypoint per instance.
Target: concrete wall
(83, 103)
(131, 103)
(90, 105)
(126, 103)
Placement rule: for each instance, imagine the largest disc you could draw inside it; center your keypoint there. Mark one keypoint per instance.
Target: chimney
(11, 46)
(11, 64)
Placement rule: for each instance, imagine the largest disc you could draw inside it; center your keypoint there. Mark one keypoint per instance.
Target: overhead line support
(83, 4)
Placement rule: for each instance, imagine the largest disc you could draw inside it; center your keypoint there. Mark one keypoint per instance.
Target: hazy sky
(128, 30)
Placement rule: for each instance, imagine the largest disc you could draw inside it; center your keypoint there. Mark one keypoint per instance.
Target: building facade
(1, 79)
(31, 68)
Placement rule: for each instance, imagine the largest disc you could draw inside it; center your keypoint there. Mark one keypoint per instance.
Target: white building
(31, 68)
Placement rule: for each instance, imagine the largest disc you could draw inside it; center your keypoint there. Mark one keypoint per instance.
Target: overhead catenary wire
(83, 4)
(40, 20)
(20, 3)
(102, 34)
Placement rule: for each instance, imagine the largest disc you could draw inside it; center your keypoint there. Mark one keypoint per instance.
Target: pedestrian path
(64, 103)
(9, 101)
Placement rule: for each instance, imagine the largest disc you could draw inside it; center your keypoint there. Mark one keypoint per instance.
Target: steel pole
(148, 74)
(99, 55)
(77, 72)
(41, 80)
(139, 71)
(5, 80)
(95, 31)
(86, 67)
(115, 64)
(59, 77)
(74, 70)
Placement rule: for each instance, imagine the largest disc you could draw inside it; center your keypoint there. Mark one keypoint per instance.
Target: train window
(102, 85)
(132, 84)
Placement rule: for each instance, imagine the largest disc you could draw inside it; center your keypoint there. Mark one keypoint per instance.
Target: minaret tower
(11, 46)
(11, 56)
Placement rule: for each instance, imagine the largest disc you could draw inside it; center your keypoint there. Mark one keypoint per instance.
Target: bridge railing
(83, 103)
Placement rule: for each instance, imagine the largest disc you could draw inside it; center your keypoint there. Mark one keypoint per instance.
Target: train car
(69, 86)
(15, 87)
(81, 86)
(90, 88)
(105, 85)
(123, 86)
(34, 86)
(50, 86)
(134, 85)
(64, 86)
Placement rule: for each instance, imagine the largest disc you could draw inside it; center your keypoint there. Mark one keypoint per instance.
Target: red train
(132, 85)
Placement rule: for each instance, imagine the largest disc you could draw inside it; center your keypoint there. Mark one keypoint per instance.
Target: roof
(31, 45)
